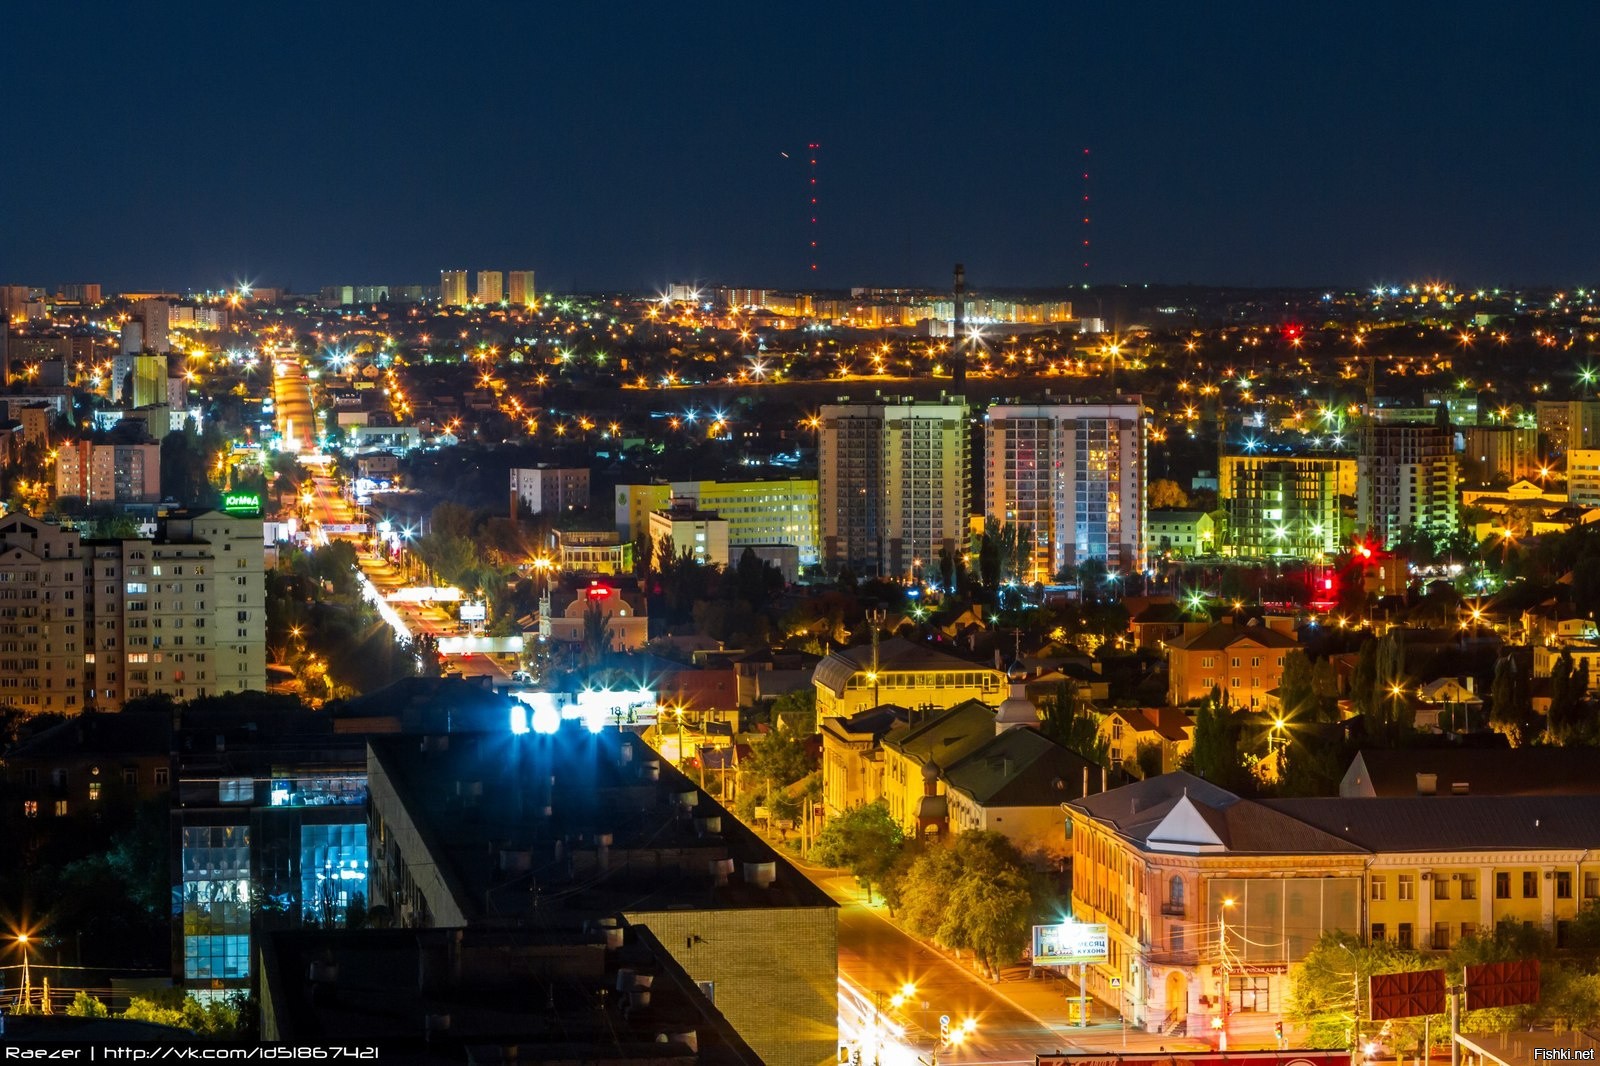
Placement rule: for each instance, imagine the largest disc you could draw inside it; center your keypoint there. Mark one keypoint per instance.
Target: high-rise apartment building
(1508, 452)
(453, 288)
(43, 616)
(550, 489)
(894, 486)
(1072, 476)
(1283, 506)
(491, 287)
(1407, 479)
(522, 293)
(156, 317)
(108, 473)
(149, 380)
(183, 614)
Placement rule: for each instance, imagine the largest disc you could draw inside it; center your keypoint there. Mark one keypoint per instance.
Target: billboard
(1070, 943)
(242, 503)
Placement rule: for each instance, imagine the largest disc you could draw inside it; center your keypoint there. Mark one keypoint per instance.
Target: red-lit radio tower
(812, 149)
(1086, 214)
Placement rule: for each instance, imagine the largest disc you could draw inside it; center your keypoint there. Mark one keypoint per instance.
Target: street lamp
(1227, 972)
(27, 984)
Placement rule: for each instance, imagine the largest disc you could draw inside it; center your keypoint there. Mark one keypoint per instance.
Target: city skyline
(1253, 147)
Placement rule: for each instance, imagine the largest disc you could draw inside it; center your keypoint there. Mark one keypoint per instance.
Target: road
(876, 959)
(291, 398)
(431, 619)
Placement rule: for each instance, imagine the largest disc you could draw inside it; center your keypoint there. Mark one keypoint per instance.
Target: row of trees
(1330, 984)
(974, 892)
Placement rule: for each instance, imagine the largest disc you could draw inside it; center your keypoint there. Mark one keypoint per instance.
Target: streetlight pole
(1227, 972)
(27, 984)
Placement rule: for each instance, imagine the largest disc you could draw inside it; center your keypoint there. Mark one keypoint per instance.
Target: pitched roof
(945, 737)
(1019, 768)
(1224, 635)
(1485, 771)
(1184, 813)
(1170, 722)
(894, 654)
(1457, 823)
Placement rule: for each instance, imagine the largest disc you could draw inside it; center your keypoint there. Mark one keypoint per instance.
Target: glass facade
(216, 902)
(333, 872)
(1277, 920)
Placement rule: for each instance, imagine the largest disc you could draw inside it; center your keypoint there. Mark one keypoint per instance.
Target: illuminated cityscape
(655, 564)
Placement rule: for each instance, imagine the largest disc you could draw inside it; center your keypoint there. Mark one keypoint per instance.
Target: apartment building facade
(1072, 476)
(893, 486)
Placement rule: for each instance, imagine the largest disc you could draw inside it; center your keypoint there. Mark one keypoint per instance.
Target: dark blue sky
(621, 144)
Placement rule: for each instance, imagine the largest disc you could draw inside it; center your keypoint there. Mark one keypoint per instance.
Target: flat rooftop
(535, 829)
(501, 995)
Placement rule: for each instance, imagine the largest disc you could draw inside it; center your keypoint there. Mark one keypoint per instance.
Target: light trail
(370, 593)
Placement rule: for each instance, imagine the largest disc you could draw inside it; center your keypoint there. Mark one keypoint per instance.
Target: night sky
(629, 145)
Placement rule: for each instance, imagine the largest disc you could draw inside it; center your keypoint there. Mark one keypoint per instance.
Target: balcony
(1174, 908)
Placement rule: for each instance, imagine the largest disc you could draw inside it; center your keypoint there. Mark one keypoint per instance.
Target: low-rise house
(1127, 729)
(1014, 784)
(1244, 661)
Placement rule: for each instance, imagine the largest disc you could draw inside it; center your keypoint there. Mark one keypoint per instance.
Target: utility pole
(875, 618)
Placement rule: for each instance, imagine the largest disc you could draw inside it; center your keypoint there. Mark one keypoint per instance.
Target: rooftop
(497, 995)
(1020, 768)
(1226, 634)
(535, 827)
(1459, 823)
(946, 736)
(1526, 771)
(894, 655)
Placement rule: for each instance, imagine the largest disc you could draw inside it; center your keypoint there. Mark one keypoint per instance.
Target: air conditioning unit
(1548, 875)
(1427, 875)
(1455, 877)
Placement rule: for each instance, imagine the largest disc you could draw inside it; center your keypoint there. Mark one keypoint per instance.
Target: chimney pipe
(958, 343)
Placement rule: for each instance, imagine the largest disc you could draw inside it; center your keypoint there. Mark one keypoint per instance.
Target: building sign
(473, 612)
(1070, 944)
(1201, 1058)
(242, 503)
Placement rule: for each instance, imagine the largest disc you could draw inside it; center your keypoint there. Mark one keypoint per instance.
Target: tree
(596, 632)
(864, 840)
(1072, 723)
(796, 711)
(1295, 689)
(1364, 679)
(776, 761)
(1147, 758)
(1510, 701)
(975, 893)
(1329, 986)
(990, 913)
(1215, 752)
(644, 555)
(86, 1006)
(1166, 494)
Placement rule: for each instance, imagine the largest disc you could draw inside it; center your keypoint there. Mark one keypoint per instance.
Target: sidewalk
(1042, 994)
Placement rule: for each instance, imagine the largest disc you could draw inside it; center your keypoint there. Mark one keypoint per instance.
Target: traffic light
(1277, 1031)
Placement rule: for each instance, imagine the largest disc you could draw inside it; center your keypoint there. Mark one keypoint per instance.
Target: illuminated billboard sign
(1070, 944)
(242, 503)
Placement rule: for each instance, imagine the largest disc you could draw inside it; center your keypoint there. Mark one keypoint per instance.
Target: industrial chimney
(958, 341)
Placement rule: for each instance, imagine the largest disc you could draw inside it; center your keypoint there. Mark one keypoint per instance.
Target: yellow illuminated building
(1209, 898)
(757, 512)
(902, 673)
